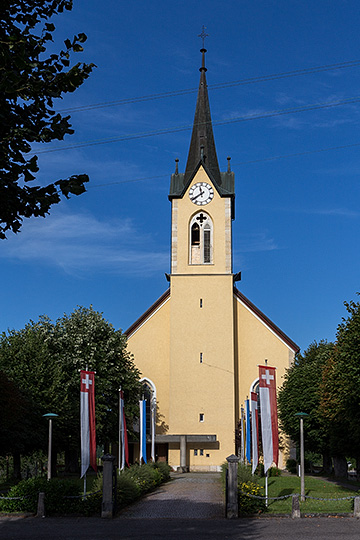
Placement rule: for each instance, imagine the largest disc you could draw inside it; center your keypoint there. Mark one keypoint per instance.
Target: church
(199, 345)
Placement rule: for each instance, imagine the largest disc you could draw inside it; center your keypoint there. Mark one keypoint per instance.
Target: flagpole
(120, 426)
(141, 457)
(86, 369)
(153, 426)
(266, 488)
(242, 447)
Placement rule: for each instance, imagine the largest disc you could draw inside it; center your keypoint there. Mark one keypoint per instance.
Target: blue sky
(296, 233)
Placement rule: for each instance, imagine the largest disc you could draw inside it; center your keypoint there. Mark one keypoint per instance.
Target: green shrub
(91, 505)
(247, 485)
(163, 468)
(56, 493)
(291, 466)
(244, 474)
(247, 504)
(127, 490)
(273, 471)
(146, 477)
(64, 497)
(138, 480)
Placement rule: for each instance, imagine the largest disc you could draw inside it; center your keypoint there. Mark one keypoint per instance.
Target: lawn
(318, 488)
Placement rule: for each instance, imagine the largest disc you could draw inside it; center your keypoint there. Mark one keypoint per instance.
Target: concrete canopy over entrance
(183, 440)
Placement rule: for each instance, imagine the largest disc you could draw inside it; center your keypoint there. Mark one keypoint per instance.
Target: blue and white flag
(254, 431)
(142, 404)
(248, 431)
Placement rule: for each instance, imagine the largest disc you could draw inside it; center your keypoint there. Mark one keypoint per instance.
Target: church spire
(202, 146)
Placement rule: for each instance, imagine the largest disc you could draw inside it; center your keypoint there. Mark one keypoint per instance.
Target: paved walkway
(186, 496)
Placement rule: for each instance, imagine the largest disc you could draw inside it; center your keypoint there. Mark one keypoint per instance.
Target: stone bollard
(232, 503)
(107, 507)
(295, 511)
(357, 507)
(41, 505)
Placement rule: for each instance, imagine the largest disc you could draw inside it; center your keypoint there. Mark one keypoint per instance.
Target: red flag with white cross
(87, 421)
(269, 416)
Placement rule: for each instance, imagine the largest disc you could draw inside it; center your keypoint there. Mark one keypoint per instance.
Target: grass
(314, 487)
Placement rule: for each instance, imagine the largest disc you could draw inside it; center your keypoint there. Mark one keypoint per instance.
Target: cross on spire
(203, 35)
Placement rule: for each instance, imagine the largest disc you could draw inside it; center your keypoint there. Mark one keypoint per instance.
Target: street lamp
(302, 415)
(50, 417)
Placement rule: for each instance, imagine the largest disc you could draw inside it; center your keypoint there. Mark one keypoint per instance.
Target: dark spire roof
(202, 149)
(202, 145)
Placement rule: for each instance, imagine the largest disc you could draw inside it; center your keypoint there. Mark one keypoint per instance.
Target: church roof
(275, 329)
(202, 149)
(148, 313)
(241, 297)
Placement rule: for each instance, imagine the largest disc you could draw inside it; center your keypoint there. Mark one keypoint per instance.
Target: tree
(31, 375)
(340, 401)
(301, 392)
(45, 358)
(29, 84)
(18, 427)
(86, 339)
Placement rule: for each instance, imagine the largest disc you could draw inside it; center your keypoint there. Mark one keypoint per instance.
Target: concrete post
(295, 512)
(183, 466)
(41, 505)
(232, 503)
(357, 507)
(107, 507)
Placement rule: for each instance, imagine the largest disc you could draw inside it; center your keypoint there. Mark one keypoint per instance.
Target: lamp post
(50, 417)
(302, 415)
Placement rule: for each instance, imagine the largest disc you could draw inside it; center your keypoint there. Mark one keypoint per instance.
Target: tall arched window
(201, 239)
(149, 393)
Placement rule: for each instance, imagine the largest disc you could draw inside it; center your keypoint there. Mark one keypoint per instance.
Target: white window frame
(205, 224)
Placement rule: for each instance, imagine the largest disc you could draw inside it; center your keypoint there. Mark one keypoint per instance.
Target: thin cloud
(81, 244)
(342, 212)
(331, 212)
(255, 242)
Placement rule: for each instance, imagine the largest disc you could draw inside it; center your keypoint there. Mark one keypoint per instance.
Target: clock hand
(198, 195)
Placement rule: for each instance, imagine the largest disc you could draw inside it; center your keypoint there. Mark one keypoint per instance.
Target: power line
(250, 162)
(266, 114)
(217, 86)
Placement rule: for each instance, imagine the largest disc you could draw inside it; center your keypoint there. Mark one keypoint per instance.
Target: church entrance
(161, 452)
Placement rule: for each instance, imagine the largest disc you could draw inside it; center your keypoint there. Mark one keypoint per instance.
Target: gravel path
(188, 496)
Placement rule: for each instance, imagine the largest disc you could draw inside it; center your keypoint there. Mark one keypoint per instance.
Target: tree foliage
(43, 361)
(18, 433)
(301, 392)
(325, 383)
(340, 403)
(86, 339)
(30, 81)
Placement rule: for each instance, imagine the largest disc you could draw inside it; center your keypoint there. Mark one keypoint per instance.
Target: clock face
(201, 193)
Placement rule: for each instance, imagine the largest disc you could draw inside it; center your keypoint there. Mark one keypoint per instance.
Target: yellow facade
(200, 344)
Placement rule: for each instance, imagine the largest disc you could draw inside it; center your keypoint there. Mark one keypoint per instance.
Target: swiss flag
(269, 417)
(87, 421)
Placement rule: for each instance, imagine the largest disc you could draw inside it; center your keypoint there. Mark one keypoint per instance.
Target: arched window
(201, 239)
(149, 393)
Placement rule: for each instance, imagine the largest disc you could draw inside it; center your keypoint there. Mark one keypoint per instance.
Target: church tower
(199, 345)
(201, 288)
